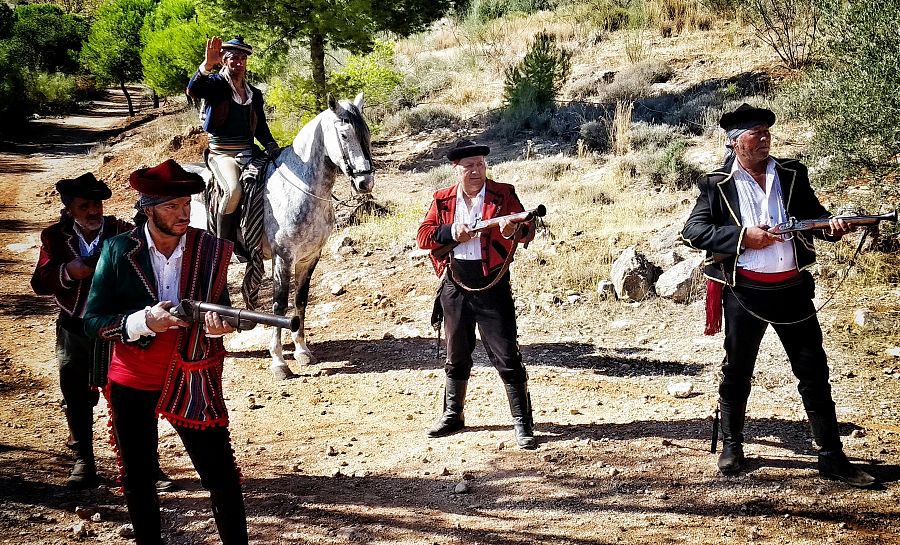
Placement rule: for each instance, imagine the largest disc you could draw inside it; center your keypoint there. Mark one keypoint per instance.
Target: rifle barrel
(239, 314)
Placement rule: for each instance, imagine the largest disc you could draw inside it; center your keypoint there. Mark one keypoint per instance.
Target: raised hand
(213, 53)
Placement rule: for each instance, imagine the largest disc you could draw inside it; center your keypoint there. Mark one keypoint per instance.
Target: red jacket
(499, 200)
(59, 245)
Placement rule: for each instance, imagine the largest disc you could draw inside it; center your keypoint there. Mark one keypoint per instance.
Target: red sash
(143, 368)
(768, 278)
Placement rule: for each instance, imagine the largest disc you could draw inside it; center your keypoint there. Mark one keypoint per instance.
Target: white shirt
(167, 271)
(84, 247)
(466, 216)
(760, 207)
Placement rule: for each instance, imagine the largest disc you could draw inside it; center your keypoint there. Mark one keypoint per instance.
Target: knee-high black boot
(231, 517)
(833, 463)
(81, 423)
(452, 420)
(520, 407)
(732, 458)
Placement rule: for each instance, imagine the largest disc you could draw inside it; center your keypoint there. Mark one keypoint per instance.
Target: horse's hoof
(305, 358)
(282, 372)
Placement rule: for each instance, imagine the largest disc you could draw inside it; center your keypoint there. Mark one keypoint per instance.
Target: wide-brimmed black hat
(85, 186)
(466, 148)
(237, 44)
(746, 117)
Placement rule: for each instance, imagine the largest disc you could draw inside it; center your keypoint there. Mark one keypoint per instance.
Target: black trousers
(493, 312)
(802, 341)
(75, 351)
(134, 424)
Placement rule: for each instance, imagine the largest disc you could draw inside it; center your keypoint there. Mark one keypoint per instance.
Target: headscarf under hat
(741, 120)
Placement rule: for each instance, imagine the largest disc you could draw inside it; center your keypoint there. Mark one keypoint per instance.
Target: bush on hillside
(634, 81)
(854, 102)
(790, 27)
(531, 86)
(47, 39)
(418, 119)
(486, 10)
(595, 136)
(665, 166)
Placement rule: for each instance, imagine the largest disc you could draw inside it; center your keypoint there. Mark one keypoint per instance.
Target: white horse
(298, 214)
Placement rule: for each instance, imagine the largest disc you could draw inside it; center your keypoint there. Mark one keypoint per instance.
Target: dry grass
(620, 129)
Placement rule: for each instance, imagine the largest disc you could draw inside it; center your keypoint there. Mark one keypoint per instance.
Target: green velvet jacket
(124, 281)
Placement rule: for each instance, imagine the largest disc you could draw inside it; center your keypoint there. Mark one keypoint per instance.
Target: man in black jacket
(761, 278)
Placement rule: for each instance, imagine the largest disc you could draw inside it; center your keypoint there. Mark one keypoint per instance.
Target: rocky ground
(339, 455)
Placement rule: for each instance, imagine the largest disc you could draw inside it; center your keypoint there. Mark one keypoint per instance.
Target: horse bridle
(356, 120)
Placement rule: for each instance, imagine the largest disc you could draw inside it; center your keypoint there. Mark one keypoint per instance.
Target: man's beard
(165, 228)
(89, 225)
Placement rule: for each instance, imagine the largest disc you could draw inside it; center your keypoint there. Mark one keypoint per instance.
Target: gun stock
(238, 318)
(794, 225)
(483, 225)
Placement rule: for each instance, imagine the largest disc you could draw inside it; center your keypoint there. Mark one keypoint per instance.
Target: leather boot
(81, 424)
(231, 517)
(453, 419)
(833, 463)
(520, 407)
(732, 416)
(227, 228)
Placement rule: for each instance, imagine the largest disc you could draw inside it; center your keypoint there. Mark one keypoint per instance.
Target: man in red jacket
(475, 288)
(69, 252)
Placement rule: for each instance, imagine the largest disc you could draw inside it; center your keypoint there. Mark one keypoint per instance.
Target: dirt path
(339, 454)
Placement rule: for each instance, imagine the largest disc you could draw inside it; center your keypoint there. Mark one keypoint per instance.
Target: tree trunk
(317, 56)
(155, 98)
(127, 98)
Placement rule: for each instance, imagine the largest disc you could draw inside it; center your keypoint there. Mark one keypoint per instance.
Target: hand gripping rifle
(484, 225)
(793, 224)
(238, 318)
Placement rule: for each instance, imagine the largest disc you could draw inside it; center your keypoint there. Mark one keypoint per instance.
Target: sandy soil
(339, 455)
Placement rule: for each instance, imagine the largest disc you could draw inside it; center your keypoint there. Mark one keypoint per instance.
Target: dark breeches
(134, 423)
(802, 341)
(494, 313)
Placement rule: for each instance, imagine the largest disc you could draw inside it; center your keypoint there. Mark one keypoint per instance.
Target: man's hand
(213, 53)
(464, 232)
(508, 228)
(215, 325)
(837, 227)
(159, 319)
(759, 237)
(273, 150)
(77, 269)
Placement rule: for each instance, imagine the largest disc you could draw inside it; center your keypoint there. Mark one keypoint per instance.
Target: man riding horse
(233, 115)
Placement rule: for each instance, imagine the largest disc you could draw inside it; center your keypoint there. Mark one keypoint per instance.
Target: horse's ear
(359, 101)
(332, 103)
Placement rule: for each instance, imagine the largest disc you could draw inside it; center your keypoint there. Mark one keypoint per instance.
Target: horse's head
(347, 142)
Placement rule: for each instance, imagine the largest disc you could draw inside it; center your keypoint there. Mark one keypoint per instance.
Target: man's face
(754, 145)
(87, 213)
(236, 62)
(171, 217)
(470, 171)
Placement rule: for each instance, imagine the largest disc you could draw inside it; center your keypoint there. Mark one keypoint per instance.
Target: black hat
(85, 186)
(466, 148)
(746, 117)
(237, 44)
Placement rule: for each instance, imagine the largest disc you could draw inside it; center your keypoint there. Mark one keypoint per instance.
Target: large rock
(633, 276)
(682, 282)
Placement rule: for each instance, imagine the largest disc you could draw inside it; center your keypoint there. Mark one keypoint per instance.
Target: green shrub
(532, 85)
(486, 10)
(50, 93)
(293, 94)
(665, 166)
(418, 119)
(645, 135)
(854, 103)
(46, 38)
(634, 81)
(595, 135)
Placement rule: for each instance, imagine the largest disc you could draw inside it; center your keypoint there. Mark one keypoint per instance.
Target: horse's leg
(281, 273)
(303, 273)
